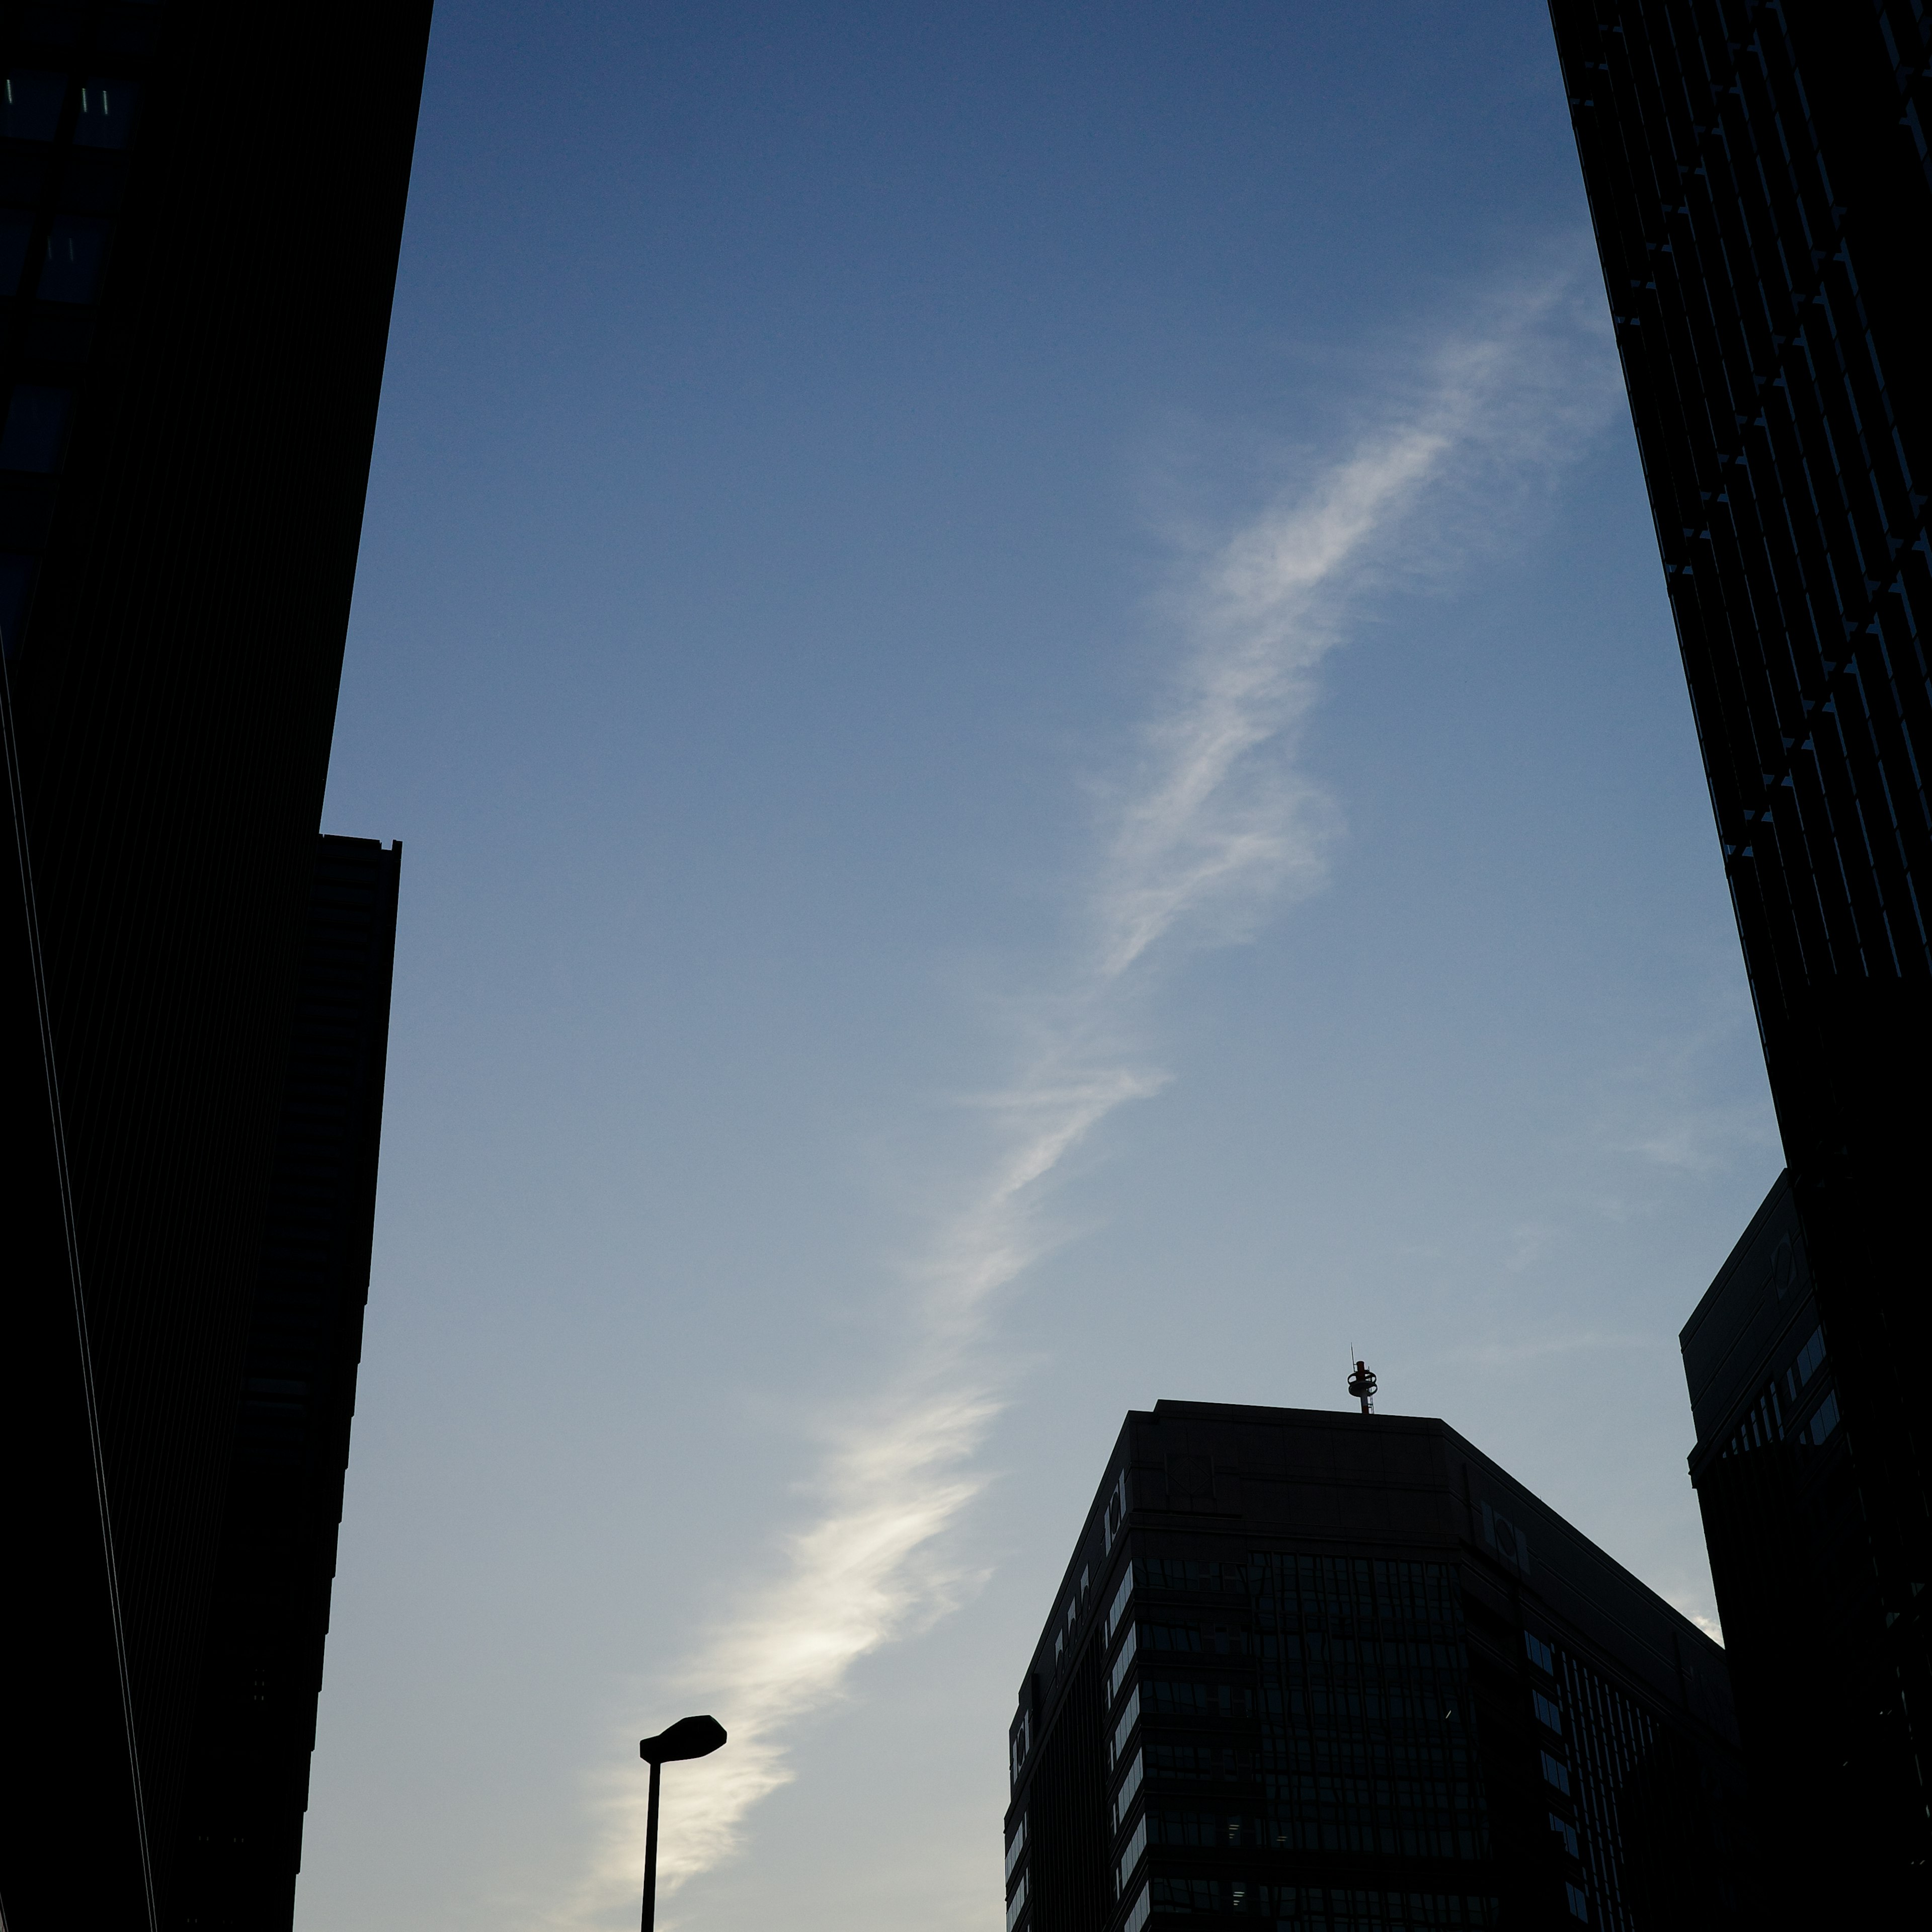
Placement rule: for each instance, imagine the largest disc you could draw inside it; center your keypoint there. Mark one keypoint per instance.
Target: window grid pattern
(1363, 1683)
(1792, 519)
(1763, 1424)
(1781, 1405)
(1611, 1739)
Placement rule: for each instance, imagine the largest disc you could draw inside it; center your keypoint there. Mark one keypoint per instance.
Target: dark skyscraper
(1335, 1671)
(1758, 175)
(200, 208)
(1776, 1476)
(254, 1726)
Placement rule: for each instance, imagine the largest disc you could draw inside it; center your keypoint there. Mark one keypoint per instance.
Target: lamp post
(689, 1737)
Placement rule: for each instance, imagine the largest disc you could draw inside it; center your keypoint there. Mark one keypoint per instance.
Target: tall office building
(1758, 174)
(201, 204)
(1330, 1673)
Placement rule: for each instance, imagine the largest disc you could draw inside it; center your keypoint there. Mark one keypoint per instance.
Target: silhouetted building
(201, 204)
(240, 1828)
(1775, 1475)
(1337, 1671)
(1758, 175)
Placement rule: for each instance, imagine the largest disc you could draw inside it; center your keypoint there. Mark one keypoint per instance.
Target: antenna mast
(1362, 1383)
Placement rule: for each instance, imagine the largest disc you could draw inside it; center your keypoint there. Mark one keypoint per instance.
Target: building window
(30, 109)
(1131, 1857)
(76, 252)
(36, 428)
(1130, 1785)
(1017, 1849)
(1567, 1832)
(1539, 1653)
(1022, 1740)
(1809, 1357)
(1557, 1772)
(1546, 1713)
(1824, 1417)
(106, 114)
(1579, 1905)
(1137, 1912)
(1017, 1904)
(1129, 1717)
(1120, 1609)
(1118, 1674)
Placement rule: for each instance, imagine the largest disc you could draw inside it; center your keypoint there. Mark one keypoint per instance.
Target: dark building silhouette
(1338, 1671)
(201, 204)
(1758, 176)
(1776, 1477)
(240, 1828)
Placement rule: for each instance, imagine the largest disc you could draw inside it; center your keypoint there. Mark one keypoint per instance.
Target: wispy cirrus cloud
(1213, 824)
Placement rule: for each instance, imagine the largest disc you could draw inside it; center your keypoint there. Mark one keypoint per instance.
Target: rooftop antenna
(1362, 1383)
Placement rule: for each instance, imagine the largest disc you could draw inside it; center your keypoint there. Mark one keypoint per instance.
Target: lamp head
(689, 1737)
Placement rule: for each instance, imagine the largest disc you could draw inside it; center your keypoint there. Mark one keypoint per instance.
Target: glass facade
(1355, 1728)
(1302, 1705)
(1780, 419)
(1760, 185)
(1366, 1745)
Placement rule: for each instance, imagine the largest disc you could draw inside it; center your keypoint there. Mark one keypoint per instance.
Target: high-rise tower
(201, 204)
(1343, 1672)
(1759, 177)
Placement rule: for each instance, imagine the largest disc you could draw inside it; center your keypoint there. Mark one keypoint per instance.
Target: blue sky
(1020, 659)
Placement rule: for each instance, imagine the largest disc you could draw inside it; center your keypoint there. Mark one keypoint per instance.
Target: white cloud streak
(1216, 825)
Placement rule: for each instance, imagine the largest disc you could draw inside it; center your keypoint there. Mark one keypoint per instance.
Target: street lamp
(689, 1737)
